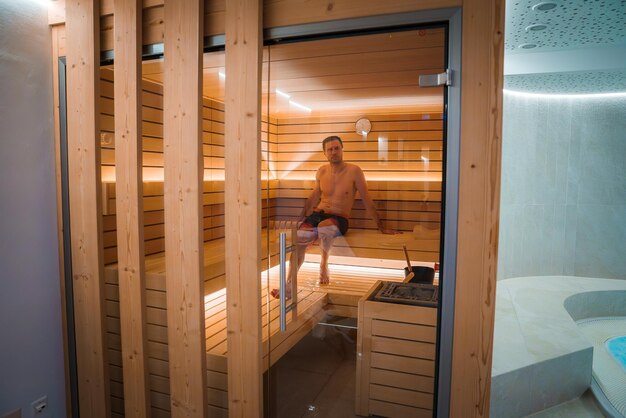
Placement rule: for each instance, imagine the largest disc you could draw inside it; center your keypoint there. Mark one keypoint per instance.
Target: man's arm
(361, 186)
(313, 198)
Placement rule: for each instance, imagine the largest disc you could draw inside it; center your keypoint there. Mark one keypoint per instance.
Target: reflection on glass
(383, 176)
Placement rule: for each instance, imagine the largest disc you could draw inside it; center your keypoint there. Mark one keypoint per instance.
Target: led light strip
(566, 96)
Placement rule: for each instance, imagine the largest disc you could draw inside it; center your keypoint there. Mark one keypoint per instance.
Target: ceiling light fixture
(536, 27)
(282, 93)
(527, 46)
(298, 105)
(544, 6)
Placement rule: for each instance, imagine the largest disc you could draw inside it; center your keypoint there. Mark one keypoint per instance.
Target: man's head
(333, 149)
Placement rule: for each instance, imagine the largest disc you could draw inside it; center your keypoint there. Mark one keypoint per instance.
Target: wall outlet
(40, 408)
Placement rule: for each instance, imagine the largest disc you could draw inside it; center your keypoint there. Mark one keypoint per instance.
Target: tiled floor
(583, 407)
(316, 378)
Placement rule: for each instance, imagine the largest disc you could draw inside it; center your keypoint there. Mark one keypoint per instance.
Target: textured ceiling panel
(583, 82)
(570, 24)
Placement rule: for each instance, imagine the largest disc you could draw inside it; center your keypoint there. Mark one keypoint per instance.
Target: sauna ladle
(410, 275)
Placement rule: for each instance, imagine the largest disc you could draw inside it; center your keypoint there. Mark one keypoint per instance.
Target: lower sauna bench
(396, 349)
(340, 298)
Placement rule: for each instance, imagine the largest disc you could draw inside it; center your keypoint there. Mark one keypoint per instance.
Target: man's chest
(337, 184)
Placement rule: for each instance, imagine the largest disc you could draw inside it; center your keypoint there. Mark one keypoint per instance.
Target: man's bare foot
(275, 293)
(324, 277)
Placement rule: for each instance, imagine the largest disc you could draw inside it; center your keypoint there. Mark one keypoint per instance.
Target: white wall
(31, 340)
(563, 203)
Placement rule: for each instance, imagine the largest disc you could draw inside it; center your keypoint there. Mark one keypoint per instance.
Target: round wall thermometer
(363, 126)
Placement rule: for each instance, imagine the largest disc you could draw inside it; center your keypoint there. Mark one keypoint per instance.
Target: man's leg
(306, 236)
(327, 231)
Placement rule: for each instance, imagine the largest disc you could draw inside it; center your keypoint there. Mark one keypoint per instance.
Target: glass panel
(361, 207)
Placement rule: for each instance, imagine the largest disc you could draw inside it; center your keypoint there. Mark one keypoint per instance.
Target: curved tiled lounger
(540, 358)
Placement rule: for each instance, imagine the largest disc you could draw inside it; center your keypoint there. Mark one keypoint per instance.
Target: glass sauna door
(359, 337)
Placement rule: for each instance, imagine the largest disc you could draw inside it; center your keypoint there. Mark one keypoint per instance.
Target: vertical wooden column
(129, 205)
(243, 206)
(479, 204)
(83, 136)
(182, 136)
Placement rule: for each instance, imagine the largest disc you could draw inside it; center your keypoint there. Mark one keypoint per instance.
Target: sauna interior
(311, 89)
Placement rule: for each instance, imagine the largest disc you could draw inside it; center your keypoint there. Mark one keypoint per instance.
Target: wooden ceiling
(359, 74)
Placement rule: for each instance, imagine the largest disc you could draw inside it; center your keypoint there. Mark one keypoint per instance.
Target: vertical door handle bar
(283, 281)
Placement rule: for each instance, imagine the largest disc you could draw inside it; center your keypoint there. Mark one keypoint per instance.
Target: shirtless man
(332, 198)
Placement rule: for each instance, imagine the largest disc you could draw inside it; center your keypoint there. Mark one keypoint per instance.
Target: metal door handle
(283, 281)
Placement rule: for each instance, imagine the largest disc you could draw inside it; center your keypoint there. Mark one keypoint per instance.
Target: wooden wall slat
(55, 32)
(395, 149)
(283, 13)
(130, 222)
(85, 205)
(183, 208)
(243, 209)
(479, 204)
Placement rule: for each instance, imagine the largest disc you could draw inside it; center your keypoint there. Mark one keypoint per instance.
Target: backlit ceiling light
(544, 6)
(527, 46)
(298, 105)
(536, 27)
(282, 93)
(567, 96)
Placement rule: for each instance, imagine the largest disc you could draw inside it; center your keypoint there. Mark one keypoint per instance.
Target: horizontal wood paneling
(152, 154)
(399, 149)
(276, 13)
(396, 358)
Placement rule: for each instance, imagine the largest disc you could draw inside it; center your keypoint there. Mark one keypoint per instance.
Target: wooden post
(129, 206)
(479, 204)
(243, 206)
(83, 136)
(184, 265)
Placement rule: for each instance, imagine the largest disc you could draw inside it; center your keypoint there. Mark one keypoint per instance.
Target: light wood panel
(55, 32)
(395, 148)
(130, 222)
(85, 223)
(183, 207)
(243, 210)
(482, 31)
(152, 156)
(395, 358)
(378, 71)
(479, 202)
(294, 12)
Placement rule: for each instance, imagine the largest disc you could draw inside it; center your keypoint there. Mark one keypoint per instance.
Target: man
(336, 184)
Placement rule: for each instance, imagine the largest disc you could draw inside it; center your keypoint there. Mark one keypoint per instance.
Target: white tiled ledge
(540, 358)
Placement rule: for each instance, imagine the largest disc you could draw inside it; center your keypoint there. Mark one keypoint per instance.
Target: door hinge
(434, 80)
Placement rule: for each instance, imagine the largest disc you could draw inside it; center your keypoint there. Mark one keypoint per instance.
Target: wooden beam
(296, 12)
(59, 188)
(182, 133)
(83, 136)
(129, 202)
(479, 204)
(243, 206)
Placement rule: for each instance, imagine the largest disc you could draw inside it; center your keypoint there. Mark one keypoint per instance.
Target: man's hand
(390, 231)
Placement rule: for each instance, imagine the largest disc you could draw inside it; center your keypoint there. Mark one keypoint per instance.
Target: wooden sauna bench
(340, 298)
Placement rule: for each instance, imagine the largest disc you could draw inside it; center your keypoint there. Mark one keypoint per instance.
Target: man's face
(334, 151)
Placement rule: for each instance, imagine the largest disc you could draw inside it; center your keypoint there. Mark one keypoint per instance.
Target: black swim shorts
(315, 218)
